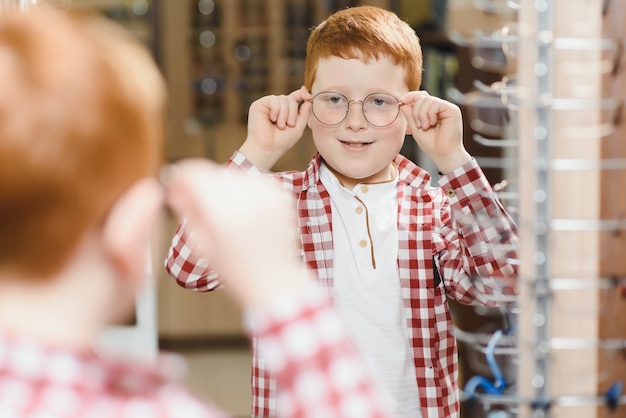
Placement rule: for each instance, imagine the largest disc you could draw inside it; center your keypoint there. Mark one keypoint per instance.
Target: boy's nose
(355, 119)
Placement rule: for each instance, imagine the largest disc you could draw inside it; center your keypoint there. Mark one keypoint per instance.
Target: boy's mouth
(356, 144)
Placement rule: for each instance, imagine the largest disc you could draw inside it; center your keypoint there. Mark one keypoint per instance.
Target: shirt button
(450, 192)
(364, 189)
(363, 243)
(359, 210)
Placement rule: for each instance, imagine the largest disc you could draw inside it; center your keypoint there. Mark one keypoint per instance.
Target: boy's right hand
(275, 124)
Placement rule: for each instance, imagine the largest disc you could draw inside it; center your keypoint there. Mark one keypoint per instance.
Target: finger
(302, 94)
(408, 101)
(272, 105)
(295, 100)
(304, 113)
(430, 112)
(292, 117)
(415, 107)
(282, 111)
(427, 111)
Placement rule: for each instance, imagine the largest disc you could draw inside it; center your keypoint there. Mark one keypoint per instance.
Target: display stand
(572, 158)
(568, 100)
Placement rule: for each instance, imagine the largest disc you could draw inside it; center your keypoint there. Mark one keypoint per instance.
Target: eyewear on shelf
(498, 51)
(489, 109)
(487, 114)
(513, 97)
(482, 348)
(494, 52)
(608, 401)
(505, 7)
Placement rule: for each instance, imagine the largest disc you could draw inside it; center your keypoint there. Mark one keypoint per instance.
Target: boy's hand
(437, 127)
(245, 225)
(275, 124)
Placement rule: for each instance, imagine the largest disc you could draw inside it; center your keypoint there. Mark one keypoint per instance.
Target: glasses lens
(381, 109)
(330, 108)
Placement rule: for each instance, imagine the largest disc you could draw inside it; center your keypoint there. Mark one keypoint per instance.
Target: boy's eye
(380, 100)
(336, 99)
(331, 98)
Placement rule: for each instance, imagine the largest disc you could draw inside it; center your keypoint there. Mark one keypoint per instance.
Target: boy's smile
(355, 150)
(355, 146)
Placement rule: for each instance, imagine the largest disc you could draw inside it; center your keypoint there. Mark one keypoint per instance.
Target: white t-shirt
(367, 288)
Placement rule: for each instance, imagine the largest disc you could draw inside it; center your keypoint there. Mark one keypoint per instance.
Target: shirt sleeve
(478, 245)
(238, 161)
(186, 267)
(319, 372)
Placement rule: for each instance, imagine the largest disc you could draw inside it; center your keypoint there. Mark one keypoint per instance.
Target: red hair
(365, 33)
(81, 115)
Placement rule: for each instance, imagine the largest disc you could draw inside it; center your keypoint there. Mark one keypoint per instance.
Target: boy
(80, 143)
(388, 248)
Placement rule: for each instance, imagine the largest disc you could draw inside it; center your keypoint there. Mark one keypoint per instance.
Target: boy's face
(355, 149)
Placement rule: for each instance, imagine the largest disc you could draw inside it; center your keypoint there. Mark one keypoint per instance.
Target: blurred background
(542, 90)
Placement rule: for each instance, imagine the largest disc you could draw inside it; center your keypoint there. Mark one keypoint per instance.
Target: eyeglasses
(379, 109)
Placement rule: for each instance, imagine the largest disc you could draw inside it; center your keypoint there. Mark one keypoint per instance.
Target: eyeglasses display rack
(572, 156)
(567, 97)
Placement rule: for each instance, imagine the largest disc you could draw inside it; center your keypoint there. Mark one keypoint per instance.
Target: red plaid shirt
(460, 225)
(38, 381)
(303, 339)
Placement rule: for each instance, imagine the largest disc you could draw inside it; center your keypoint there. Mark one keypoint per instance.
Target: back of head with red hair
(80, 121)
(365, 33)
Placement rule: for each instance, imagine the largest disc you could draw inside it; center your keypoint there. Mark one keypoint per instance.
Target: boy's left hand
(437, 127)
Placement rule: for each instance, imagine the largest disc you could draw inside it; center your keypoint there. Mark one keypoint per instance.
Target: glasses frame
(362, 102)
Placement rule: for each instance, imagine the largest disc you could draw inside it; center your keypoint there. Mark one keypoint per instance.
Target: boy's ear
(129, 225)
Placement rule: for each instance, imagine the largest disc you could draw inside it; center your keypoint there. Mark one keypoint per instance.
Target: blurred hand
(244, 225)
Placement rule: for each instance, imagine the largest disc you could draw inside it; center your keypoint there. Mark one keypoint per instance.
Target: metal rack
(567, 142)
